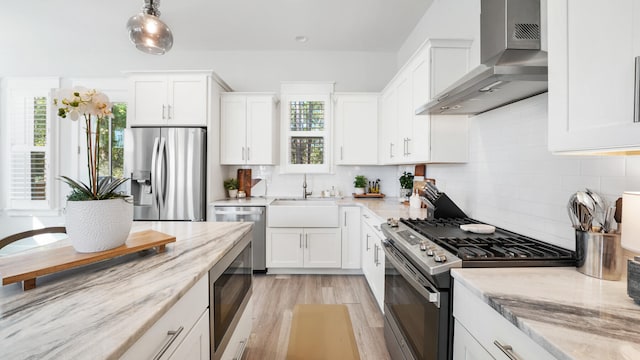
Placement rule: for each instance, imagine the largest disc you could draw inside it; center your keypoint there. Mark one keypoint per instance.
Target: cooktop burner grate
(500, 245)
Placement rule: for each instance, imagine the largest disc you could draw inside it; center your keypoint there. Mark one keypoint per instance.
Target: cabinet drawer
(240, 338)
(489, 327)
(183, 315)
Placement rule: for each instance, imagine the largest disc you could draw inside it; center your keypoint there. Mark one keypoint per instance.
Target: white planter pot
(358, 191)
(233, 193)
(98, 225)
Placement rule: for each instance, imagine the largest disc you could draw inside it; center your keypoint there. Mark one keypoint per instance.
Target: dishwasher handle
(239, 213)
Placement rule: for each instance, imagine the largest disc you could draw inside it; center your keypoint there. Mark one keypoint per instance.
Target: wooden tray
(368, 195)
(27, 267)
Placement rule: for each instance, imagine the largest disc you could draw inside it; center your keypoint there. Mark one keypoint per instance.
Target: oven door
(416, 312)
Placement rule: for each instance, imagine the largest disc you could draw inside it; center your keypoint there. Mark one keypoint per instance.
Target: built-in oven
(230, 290)
(416, 311)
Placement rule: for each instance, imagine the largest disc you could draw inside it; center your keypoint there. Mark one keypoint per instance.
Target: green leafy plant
(231, 184)
(360, 181)
(94, 107)
(406, 180)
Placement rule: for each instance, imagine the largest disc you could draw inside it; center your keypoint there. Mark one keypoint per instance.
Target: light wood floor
(274, 297)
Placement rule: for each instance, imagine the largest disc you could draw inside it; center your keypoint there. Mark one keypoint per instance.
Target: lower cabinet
(304, 248)
(481, 333)
(350, 230)
(181, 333)
(373, 256)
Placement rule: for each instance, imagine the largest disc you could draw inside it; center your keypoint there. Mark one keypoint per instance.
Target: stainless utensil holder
(599, 255)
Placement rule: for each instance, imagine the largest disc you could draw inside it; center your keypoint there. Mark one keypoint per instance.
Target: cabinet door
(389, 151)
(404, 116)
(377, 272)
(233, 129)
(285, 247)
(323, 248)
(195, 345)
(188, 100)
(356, 129)
(148, 95)
(418, 143)
(260, 130)
(350, 229)
(466, 347)
(591, 74)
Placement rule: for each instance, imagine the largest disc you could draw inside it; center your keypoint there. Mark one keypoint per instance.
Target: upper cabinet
(356, 128)
(169, 99)
(593, 45)
(405, 137)
(248, 132)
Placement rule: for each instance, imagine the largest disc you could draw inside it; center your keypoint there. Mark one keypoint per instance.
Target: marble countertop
(383, 208)
(571, 315)
(114, 301)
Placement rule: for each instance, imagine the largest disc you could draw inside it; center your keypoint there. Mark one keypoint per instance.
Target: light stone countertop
(384, 208)
(571, 315)
(99, 311)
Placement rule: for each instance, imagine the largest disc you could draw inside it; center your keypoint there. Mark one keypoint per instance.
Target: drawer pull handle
(507, 350)
(174, 335)
(241, 346)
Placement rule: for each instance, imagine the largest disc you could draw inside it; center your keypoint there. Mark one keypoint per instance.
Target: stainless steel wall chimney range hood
(512, 65)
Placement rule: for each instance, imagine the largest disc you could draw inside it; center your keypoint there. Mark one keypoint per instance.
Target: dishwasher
(255, 214)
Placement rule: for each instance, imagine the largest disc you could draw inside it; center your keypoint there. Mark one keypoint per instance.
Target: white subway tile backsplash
(512, 181)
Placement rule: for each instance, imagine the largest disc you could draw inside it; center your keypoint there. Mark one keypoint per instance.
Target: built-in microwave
(229, 292)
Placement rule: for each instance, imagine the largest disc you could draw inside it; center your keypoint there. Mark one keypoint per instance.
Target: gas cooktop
(437, 245)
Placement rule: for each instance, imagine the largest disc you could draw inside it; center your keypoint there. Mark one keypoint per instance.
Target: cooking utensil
(571, 210)
(608, 218)
(585, 217)
(601, 206)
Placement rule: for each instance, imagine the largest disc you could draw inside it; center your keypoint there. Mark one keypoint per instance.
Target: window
(31, 137)
(111, 151)
(306, 124)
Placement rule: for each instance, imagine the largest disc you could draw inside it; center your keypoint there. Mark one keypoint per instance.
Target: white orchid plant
(94, 107)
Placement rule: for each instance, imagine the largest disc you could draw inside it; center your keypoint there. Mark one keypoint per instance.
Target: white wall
(242, 70)
(512, 181)
(290, 185)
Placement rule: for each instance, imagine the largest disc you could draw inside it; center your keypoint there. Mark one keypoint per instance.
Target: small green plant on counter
(360, 181)
(406, 180)
(231, 184)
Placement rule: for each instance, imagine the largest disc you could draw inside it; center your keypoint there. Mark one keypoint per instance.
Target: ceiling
(217, 25)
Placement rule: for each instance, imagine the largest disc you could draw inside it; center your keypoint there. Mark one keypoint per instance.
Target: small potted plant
(359, 184)
(406, 185)
(232, 187)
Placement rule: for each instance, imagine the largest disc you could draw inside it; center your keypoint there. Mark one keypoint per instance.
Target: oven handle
(417, 281)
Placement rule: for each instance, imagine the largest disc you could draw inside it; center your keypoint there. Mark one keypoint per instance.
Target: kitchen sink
(303, 213)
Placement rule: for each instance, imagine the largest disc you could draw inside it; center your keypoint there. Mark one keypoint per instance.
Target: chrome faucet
(304, 188)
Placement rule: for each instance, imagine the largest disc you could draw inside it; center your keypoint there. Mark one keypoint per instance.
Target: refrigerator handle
(190, 177)
(161, 184)
(154, 174)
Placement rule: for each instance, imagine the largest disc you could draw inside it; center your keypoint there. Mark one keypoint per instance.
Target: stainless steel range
(420, 253)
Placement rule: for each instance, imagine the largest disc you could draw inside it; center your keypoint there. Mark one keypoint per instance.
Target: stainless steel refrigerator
(167, 167)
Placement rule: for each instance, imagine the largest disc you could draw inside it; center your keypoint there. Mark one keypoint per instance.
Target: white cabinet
(304, 247)
(173, 99)
(187, 322)
(195, 345)
(356, 129)
(485, 329)
(350, 230)
(405, 137)
(373, 256)
(248, 132)
(592, 49)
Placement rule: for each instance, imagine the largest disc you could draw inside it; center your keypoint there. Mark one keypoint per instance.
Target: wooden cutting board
(27, 267)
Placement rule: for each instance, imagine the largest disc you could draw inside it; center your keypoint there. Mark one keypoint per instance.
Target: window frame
(31, 87)
(287, 133)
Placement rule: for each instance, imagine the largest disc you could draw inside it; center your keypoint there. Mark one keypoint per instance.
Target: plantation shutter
(30, 128)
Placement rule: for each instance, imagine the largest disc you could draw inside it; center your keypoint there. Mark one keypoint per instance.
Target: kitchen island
(99, 311)
(566, 313)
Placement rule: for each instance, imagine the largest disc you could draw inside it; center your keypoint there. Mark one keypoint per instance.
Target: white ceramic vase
(98, 225)
(233, 193)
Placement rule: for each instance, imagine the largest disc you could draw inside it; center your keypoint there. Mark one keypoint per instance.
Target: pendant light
(148, 32)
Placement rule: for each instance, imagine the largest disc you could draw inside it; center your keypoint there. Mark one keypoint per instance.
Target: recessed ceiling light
(302, 39)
